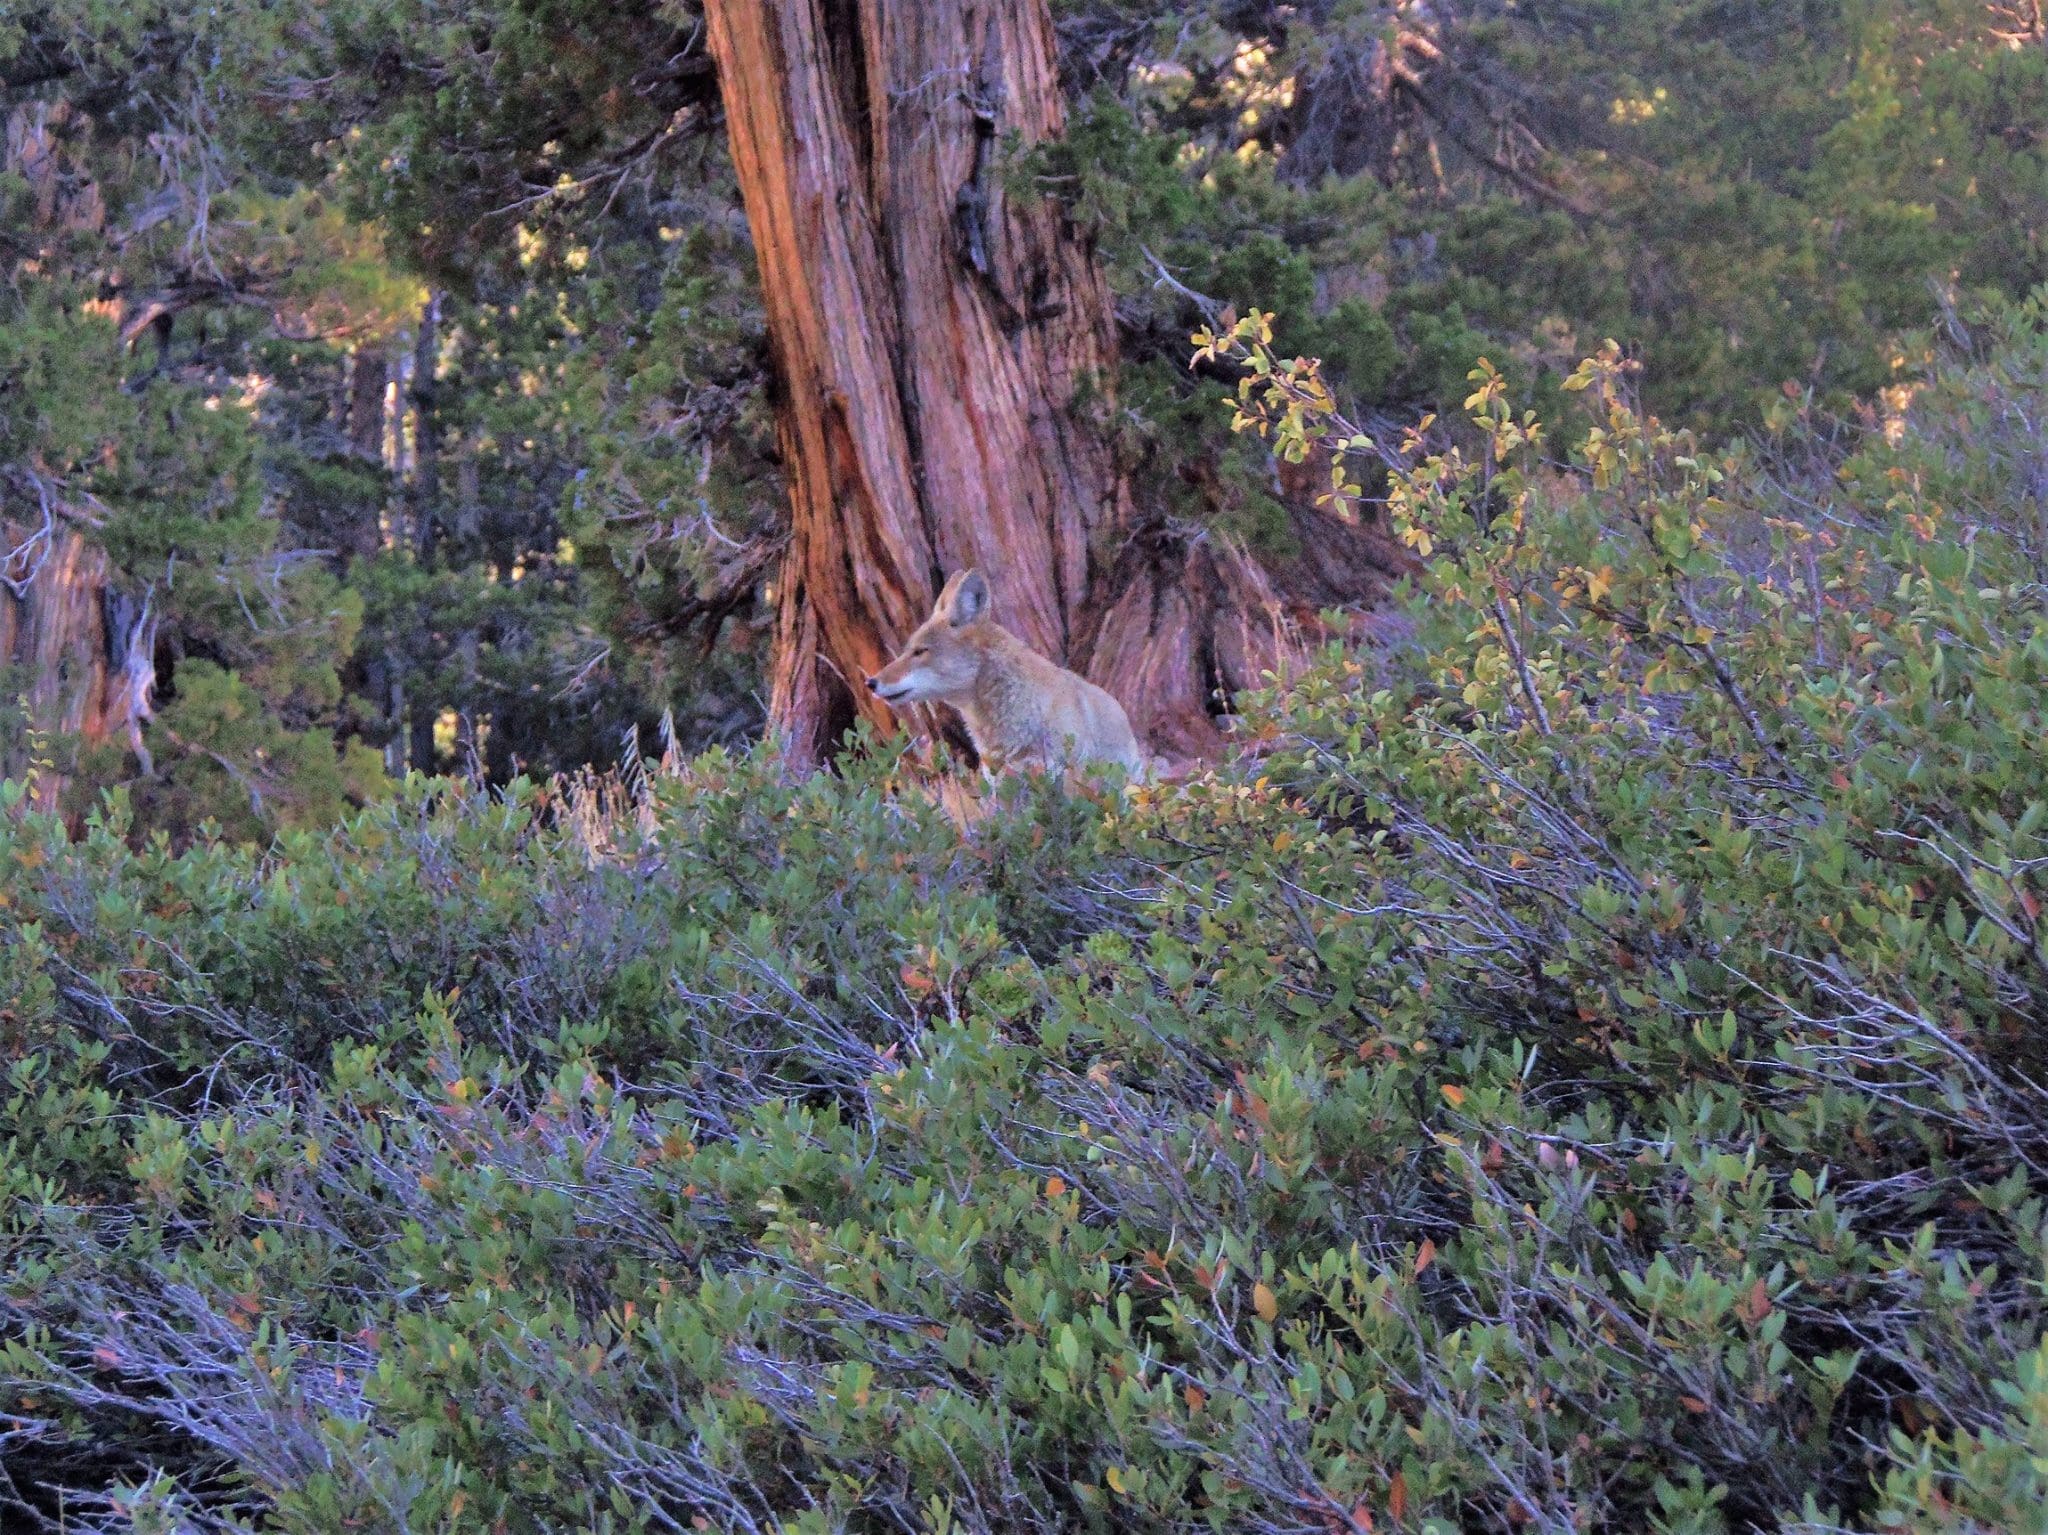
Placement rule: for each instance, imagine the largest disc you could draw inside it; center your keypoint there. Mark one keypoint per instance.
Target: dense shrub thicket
(1582, 1073)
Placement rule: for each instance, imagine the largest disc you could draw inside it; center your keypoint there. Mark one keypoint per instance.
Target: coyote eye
(918, 652)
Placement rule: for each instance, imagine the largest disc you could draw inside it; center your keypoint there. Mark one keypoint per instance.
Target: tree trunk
(369, 378)
(81, 653)
(946, 355)
(77, 651)
(426, 431)
(422, 493)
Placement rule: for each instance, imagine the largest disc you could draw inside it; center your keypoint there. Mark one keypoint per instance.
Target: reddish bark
(934, 338)
(79, 653)
(929, 333)
(938, 342)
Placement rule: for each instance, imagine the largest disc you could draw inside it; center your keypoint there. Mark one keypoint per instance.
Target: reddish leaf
(1759, 1302)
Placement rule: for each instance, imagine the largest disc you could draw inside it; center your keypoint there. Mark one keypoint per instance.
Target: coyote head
(940, 661)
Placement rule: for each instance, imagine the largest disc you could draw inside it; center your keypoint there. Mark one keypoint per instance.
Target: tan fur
(1021, 709)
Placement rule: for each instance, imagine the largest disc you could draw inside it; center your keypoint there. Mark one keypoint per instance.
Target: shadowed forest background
(387, 387)
(502, 1034)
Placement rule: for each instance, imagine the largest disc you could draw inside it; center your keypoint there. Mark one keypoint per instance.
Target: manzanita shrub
(1581, 1072)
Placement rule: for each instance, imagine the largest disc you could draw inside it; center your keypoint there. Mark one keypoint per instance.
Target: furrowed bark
(946, 358)
(77, 651)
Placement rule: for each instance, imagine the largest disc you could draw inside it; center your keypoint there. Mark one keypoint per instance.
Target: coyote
(1020, 708)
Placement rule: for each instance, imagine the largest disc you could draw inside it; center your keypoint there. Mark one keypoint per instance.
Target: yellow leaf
(1115, 1478)
(1264, 1302)
(1453, 1094)
(1055, 1186)
(1425, 1255)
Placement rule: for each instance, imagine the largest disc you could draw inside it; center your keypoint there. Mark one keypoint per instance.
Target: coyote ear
(969, 591)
